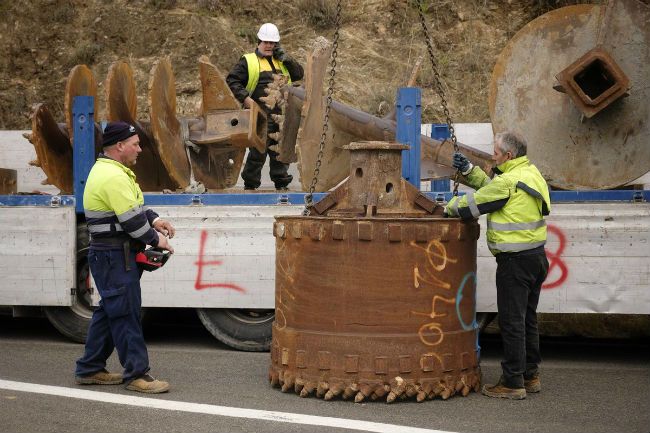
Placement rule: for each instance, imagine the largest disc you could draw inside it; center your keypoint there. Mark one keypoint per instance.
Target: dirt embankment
(379, 43)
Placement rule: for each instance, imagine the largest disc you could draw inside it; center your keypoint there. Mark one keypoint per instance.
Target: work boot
(148, 385)
(533, 384)
(102, 377)
(501, 391)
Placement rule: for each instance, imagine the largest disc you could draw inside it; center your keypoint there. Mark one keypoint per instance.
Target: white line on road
(236, 412)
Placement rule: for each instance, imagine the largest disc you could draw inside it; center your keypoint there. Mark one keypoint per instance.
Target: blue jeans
(116, 322)
(519, 282)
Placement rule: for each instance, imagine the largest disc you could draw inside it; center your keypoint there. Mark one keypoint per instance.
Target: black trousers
(278, 171)
(252, 172)
(519, 282)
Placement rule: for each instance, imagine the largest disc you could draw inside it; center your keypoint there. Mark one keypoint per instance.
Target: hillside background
(380, 41)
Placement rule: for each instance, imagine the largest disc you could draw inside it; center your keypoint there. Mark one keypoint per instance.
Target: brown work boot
(148, 385)
(501, 391)
(102, 377)
(533, 384)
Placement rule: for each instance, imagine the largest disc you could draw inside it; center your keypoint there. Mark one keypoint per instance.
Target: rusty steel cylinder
(375, 302)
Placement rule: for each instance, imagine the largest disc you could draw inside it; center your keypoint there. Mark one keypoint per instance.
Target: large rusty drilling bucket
(375, 291)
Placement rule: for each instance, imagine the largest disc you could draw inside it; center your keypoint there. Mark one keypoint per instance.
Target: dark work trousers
(519, 282)
(116, 322)
(278, 171)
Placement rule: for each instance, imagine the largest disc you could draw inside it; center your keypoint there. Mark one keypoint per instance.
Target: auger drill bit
(346, 124)
(211, 147)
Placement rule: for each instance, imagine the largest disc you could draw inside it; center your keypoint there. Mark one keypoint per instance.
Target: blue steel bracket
(409, 116)
(83, 146)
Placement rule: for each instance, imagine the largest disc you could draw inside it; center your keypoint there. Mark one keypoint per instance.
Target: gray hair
(510, 141)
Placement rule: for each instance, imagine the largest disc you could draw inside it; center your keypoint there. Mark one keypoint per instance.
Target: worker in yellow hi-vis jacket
(247, 80)
(119, 225)
(516, 200)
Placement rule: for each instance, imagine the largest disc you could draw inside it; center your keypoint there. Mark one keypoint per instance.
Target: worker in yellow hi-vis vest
(247, 80)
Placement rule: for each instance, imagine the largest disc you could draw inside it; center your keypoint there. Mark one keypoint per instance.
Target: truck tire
(248, 330)
(73, 321)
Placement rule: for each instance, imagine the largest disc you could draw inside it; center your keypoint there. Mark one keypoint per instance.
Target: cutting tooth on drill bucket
(299, 385)
(275, 136)
(397, 388)
(380, 391)
(308, 389)
(274, 379)
(28, 136)
(445, 393)
(288, 383)
(34, 163)
(335, 389)
(349, 391)
(322, 389)
(122, 105)
(278, 118)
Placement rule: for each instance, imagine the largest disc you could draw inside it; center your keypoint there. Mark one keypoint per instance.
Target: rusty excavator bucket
(301, 125)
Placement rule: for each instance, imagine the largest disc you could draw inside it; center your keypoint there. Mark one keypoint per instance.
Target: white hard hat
(269, 33)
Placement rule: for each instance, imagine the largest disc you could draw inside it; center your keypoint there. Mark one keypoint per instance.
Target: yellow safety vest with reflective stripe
(516, 201)
(255, 67)
(114, 204)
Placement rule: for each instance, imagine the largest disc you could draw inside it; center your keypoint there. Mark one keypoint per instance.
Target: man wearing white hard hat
(247, 80)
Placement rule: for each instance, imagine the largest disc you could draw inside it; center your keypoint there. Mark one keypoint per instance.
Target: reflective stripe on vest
(514, 247)
(516, 226)
(253, 63)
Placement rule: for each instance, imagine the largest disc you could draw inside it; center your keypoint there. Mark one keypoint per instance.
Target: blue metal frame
(409, 112)
(83, 113)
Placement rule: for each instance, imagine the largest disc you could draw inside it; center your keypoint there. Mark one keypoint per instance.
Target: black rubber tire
(248, 330)
(73, 321)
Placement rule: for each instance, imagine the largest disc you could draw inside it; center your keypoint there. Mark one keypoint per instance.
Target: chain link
(440, 90)
(309, 202)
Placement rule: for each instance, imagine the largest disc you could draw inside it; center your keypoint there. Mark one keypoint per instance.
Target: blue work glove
(461, 163)
(279, 53)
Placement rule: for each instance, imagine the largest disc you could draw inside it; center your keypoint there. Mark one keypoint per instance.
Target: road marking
(235, 412)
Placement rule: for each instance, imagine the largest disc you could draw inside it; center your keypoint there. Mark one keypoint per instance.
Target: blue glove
(461, 163)
(279, 53)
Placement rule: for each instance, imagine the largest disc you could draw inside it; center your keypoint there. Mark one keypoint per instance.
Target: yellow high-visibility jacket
(516, 201)
(114, 205)
(255, 66)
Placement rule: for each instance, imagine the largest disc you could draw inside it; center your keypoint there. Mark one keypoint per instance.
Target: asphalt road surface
(587, 386)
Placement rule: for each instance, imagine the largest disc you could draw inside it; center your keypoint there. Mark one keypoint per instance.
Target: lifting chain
(309, 202)
(439, 90)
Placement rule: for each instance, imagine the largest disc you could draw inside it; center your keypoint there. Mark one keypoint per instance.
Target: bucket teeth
(28, 136)
(35, 163)
(359, 397)
(322, 389)
(300, 383)
(350, 391)
(307, 389)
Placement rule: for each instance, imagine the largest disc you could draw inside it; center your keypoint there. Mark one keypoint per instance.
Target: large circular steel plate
(607, 150)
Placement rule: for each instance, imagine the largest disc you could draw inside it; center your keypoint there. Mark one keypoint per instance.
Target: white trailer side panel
(37, 259)
(225, 257)
(599, 255)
